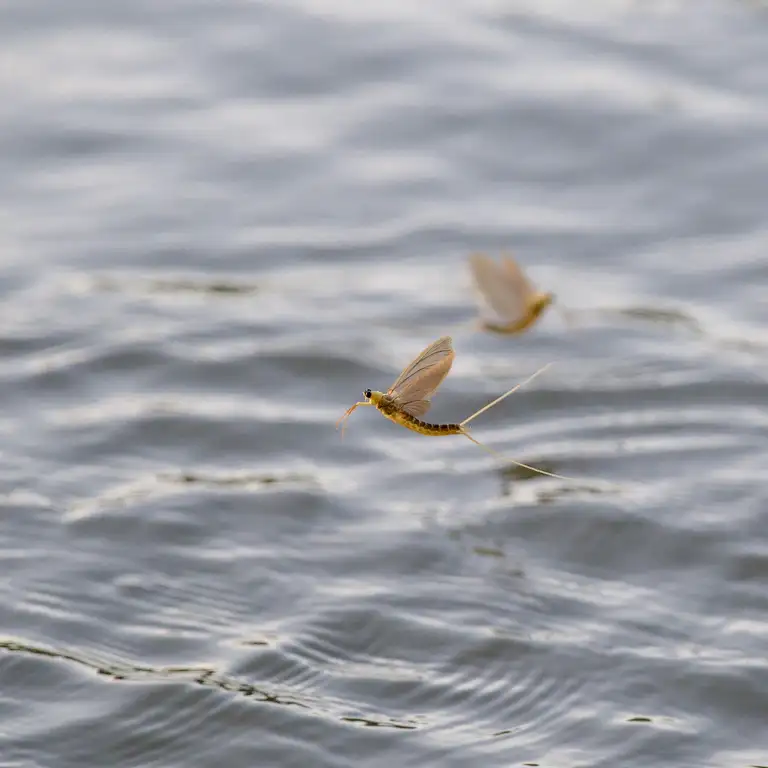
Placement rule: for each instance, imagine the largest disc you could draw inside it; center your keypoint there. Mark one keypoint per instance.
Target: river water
(220, 222)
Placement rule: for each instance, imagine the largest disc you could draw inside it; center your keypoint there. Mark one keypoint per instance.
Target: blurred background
(220, 222)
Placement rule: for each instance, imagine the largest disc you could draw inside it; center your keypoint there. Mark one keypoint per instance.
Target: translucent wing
(416, 408)
(503, 288)
(422, 377)
(517, 277)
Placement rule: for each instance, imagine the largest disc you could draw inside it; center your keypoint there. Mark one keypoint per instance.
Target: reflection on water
(182, 285)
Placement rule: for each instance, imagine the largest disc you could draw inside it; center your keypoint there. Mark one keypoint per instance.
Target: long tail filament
(495, 453)
(513, 461)
(505, 395)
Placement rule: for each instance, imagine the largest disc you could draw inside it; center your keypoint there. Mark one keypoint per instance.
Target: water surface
(220, 223)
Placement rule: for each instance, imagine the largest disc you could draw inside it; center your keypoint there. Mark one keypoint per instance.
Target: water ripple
(220, 223)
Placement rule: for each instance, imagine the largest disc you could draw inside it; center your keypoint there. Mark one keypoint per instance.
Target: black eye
(367, 393)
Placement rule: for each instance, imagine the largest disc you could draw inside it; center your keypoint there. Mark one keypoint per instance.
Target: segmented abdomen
(422, 427)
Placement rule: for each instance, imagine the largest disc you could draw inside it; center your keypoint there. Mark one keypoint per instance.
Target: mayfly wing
(504, 290)
(518, 278)
(416, 408)
(422, 377)
(434, 353)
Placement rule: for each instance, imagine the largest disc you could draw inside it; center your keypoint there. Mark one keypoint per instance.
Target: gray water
(220, 222)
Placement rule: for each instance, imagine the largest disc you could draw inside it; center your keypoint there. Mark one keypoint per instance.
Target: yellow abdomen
(537, 305)
(422, 427)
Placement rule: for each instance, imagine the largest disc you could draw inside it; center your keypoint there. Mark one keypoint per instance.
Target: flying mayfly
(409, 397)
(509, 301)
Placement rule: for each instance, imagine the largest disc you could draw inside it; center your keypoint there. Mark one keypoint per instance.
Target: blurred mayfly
(509, 301)
(409, 398)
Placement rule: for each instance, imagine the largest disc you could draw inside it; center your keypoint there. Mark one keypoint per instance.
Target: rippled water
(220, 222)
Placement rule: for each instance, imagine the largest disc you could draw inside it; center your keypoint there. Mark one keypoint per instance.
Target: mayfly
(409, 398)
(509, 302)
